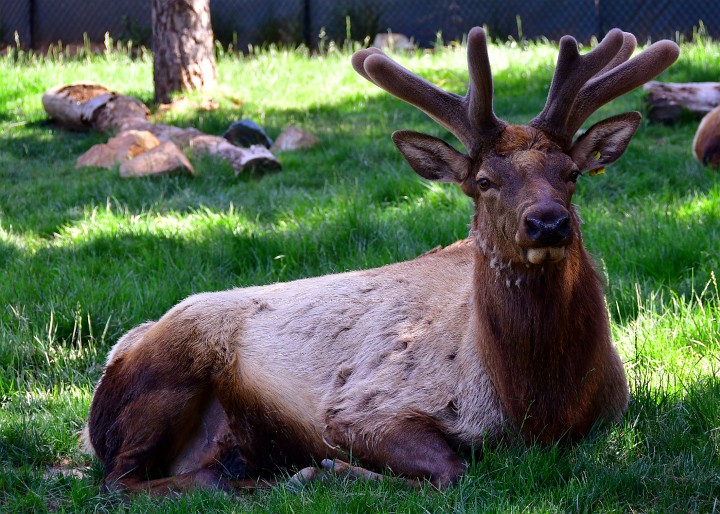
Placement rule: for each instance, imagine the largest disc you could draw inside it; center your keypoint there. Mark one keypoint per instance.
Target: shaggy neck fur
(542, 334)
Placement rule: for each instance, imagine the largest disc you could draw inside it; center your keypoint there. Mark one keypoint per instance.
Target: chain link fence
(39, 23)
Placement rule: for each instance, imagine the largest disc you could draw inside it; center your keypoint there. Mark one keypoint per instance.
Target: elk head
(522, 177)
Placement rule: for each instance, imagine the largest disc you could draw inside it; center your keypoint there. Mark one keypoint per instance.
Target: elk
(406, 366)
(706, 143)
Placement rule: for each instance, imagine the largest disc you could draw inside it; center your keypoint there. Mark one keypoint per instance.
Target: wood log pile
(141, 147)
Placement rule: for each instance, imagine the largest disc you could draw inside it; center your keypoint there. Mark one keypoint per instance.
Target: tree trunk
(183, 47)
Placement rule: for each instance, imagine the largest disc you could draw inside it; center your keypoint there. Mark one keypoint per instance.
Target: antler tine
(470, 118)
(571, 73)
(621, 79)
(625, 52)
(358, 59)
(442, 106)
(480, 89)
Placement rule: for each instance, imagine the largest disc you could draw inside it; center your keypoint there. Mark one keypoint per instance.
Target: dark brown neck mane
(542, 332)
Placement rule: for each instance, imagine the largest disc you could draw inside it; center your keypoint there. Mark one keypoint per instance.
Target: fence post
(598, 21)
(307, 22)
(31, 24)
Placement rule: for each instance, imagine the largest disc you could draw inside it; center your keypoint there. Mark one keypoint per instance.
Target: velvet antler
(584, 83)
(470, 117)
(581, 85)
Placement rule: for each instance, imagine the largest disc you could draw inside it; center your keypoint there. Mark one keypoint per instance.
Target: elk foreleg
(337, 467)
(413, 447)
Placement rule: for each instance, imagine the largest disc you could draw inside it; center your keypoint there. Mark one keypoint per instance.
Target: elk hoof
(303, 477)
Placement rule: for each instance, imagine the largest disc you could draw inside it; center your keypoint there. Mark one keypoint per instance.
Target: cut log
(161, 160)
(666, 101)
(118, 149)
(86, 106)
(255, 158)
(119, 113)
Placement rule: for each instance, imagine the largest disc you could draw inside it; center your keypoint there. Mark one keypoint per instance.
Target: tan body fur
(351, 349)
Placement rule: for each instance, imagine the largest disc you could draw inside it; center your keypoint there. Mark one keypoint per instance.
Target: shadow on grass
(9, 253)
(131, 275)
(354, 144)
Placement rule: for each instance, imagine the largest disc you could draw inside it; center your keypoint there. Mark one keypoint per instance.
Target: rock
(245, 133)
(163, 159)
(214, 145)
(393, 42)
(118, 149)
(294, 138)
(256, 159)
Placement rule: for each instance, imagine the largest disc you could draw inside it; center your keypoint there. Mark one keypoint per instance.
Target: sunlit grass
(86, 255)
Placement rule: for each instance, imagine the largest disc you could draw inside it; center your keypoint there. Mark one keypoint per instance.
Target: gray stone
(245, 133)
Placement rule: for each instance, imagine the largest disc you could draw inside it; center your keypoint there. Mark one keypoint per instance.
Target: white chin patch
(546, 255)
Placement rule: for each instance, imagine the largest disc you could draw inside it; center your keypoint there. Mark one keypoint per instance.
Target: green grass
(86, 255)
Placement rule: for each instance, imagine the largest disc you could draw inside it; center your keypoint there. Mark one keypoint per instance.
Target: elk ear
(432, 158)
(604, 142)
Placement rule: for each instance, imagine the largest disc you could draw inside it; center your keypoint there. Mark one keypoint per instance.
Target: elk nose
(548, 232)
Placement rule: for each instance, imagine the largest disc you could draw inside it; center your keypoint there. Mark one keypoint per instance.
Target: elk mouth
(545, 255)
(545, 233)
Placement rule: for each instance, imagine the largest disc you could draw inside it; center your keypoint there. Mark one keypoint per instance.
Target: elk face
(523, 184)
(525, 195)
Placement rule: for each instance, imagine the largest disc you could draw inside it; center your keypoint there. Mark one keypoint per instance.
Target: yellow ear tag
(597, 171)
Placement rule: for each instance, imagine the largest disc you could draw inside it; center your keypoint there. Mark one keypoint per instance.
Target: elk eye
(573, 176)
(484, 184)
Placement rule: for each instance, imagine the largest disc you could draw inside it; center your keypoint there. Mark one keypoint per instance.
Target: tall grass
(86, 255)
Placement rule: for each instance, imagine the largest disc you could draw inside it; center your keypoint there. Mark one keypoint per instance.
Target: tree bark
(182, 46)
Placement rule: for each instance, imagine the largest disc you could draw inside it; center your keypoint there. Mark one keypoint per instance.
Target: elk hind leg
(144, 413)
